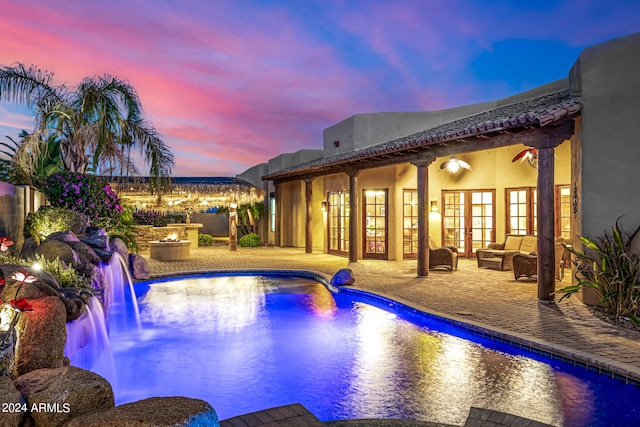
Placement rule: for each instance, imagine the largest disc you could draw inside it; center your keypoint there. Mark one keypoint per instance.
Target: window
(563, 212)
(410, 223)
(375, 223)
(522, 210)
(272, 214)
(338, 217)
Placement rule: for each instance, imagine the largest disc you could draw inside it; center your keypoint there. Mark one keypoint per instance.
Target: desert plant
(205, 239)
(48, 219)
(250, 240)
(609, 266)
(88, 194)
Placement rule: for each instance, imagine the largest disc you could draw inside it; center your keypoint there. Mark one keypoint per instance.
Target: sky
(230, 84)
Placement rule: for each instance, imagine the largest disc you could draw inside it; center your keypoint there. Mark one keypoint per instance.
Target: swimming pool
(246, 343)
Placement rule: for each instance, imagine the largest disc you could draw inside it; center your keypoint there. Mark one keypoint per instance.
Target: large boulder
(75, 301)
(119, 246)
(12, 413)
(65, 394)
(343, 277)
(97, 238)
(139, 267)
(63, 236)
(153, 412)
(46, 284)
(43, 334)
(85, 253)
(29, 248)
(52, 249)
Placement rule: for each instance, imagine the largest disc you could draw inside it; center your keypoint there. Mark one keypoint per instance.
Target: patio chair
(444, 257)
(526, 265)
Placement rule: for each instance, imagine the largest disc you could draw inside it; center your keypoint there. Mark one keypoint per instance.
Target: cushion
(512, 243)
(529, 244)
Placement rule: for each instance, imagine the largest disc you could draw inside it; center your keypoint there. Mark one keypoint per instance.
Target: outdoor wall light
(434, 206)
(324, 206)
(453, 165)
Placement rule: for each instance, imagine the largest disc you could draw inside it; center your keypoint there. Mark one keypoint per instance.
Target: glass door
(338, 222)
(468, 220)
(410, 223)
(375, 223)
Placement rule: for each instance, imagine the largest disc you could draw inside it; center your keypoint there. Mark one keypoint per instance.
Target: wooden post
(423, 214)
(278, 239)
(353, 215)
(546, 226)
(546, 223)
(309, 223)
(233, 227)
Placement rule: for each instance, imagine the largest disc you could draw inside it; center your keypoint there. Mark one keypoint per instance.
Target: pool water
(247, 343)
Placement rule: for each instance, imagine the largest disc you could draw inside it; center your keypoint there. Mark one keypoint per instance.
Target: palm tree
(97, 124)
(32, 163)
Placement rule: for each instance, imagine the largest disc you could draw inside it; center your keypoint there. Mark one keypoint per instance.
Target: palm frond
(30, 86)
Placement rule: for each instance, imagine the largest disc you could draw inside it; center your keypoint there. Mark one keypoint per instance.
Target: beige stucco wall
(607, 77)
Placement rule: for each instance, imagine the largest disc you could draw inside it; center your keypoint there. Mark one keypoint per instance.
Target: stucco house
(380, 185)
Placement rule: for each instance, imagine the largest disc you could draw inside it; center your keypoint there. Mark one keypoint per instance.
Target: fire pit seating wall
(499, 256)
(147, 233)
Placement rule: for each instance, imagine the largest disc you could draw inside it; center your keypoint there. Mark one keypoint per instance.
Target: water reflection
(228, 304)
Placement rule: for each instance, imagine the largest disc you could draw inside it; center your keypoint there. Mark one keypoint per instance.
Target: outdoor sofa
(499, 256)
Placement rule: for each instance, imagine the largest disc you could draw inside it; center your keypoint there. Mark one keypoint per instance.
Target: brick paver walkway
(483, 299)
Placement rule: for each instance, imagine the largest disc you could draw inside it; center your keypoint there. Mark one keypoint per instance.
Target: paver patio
(486, 300)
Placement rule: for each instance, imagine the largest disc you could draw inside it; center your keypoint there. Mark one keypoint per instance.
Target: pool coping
(628, 375)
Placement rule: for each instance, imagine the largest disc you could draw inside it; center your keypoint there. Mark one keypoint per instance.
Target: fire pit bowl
(170, 250)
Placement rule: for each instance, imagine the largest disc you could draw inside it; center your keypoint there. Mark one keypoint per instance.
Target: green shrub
(47, 220)
(250, 240)
(609, 266)
(66, 276)
(205, 239)
(88, 194)
(125, 230)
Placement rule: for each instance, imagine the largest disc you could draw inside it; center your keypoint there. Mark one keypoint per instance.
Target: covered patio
(542, 122)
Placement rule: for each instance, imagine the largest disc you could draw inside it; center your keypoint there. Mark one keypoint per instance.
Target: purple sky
(230, 84)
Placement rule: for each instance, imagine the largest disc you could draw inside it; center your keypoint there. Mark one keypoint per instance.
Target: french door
(338, 222)
(468, 220)
(375, 223)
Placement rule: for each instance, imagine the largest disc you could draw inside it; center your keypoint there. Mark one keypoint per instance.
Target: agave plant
(609, 266)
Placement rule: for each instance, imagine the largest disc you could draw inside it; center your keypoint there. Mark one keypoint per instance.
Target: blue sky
(230, 84)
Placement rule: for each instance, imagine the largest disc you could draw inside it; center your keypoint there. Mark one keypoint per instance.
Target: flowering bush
(88, 194)
(154, 218)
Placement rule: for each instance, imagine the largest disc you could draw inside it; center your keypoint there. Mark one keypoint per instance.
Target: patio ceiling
(527, 122)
